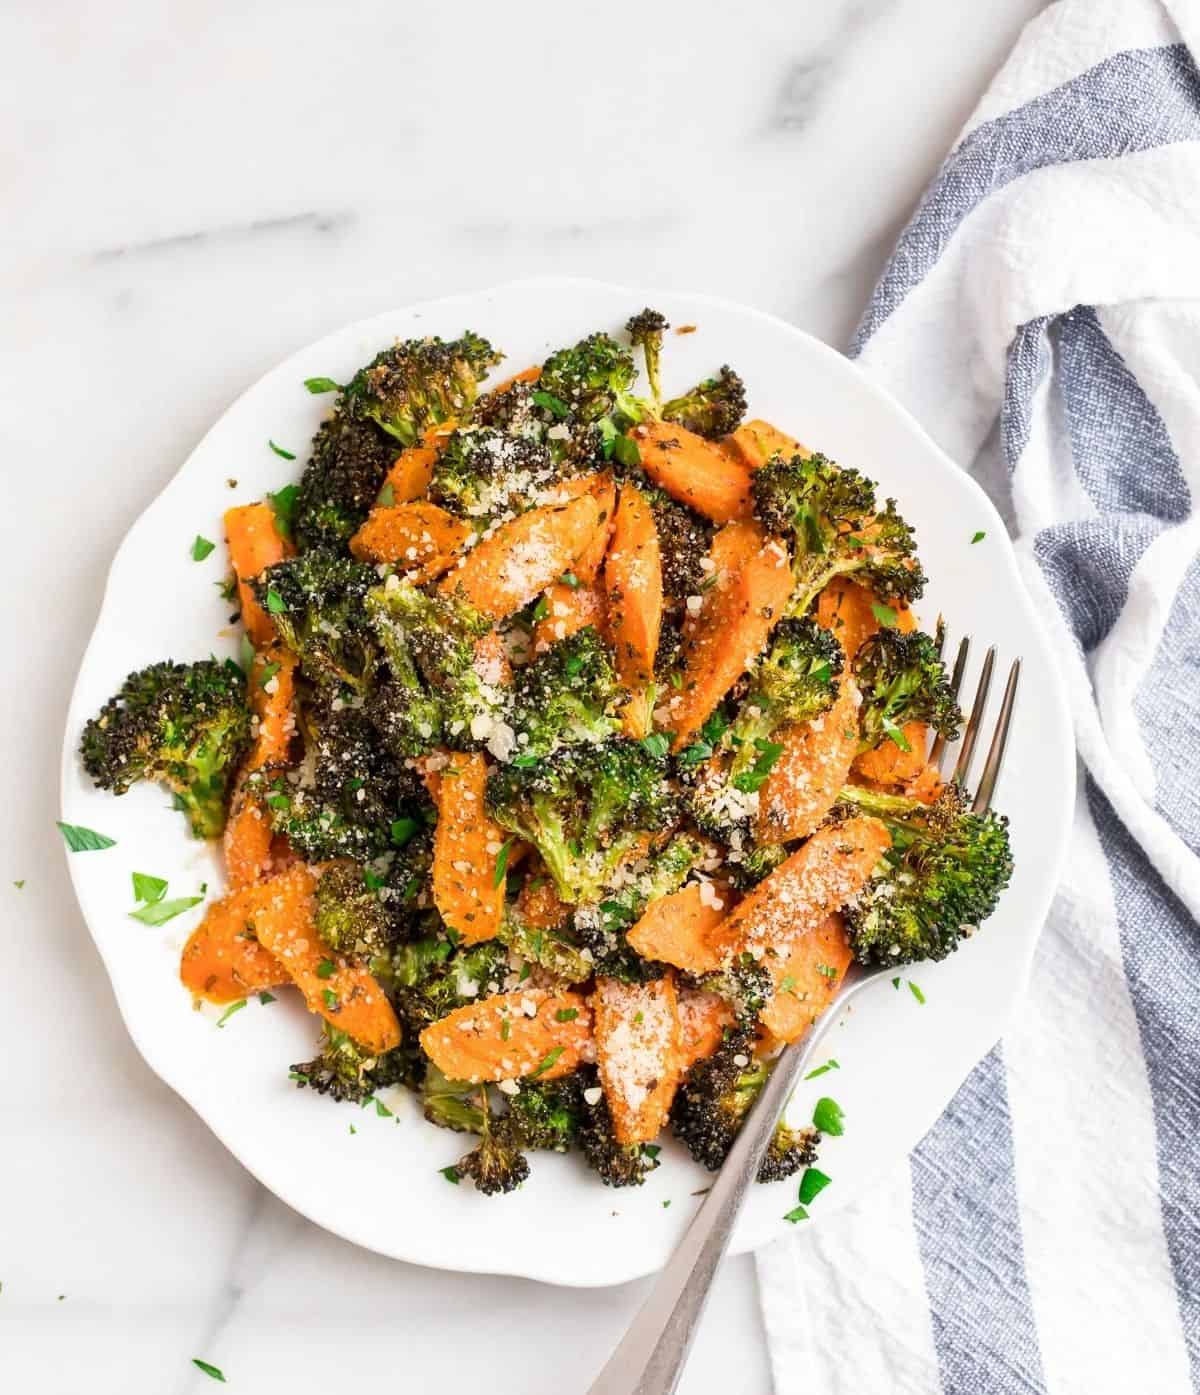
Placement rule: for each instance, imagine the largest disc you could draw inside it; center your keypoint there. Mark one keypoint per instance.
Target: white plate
(380, 1186)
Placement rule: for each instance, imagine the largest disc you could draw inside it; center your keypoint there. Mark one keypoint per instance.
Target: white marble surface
(190, 192)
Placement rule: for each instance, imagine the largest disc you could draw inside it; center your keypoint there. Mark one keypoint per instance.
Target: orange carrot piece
(421, 539)
(223, 960)
(633, 588)
(247, 842)
(280, 912)
(755, 442)
(694, 471)
(845, 608)
(814, 764)
(731, 632)
(806, 979)
(412, 470)
(675, 929)
(638, 1053)
(254, 544)
(703, 1018)
(815, 881)
(512, 1035)
(248, 836)
(603, 489)
(466, 842)
(887, 764)
(526, 375)
(927, 785)
(491, 660)
(569, 609)
(522, 557)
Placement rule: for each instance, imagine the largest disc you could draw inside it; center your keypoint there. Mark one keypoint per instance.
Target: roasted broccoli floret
(341, 481)
(683, 542)
(352, 772)
(568, 695)
(514, 410)
(483, 472)
(902, 679)
(317, 830)
(553, 951)
(616, 1164)
(452, 1104)
(317, 603)
(496, 1164)
(441, 634)
(429, 979)
(646, 329)
(351, 915)
(713, 1101)
(591, 381)
(418, 383)
(586, 810)
(744, 984)
(940, 879)
(184, 726)
(545, 1114)
(713, 408)
(346, 1071)
(753, 864)
(830, 516)
(794, 681)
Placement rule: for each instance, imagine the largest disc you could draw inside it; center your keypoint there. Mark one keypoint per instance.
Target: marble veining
(191, 192)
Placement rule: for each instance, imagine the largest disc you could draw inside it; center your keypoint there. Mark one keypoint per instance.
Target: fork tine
(995, 755)
(962, 767)
(956, 678)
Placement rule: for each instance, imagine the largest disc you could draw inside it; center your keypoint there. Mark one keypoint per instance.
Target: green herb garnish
(279, 450)
(147, 888)
(230, 1010)
(828, 1117)
(80, 839)
(812, 1184)
(201, 547)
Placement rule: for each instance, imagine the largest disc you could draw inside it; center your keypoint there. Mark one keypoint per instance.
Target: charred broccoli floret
(713, 408)
(452, 1104)
(744, 984)
(590, 381)
(902, 679)
(713, 1101)
(351, 916)
(585, 810)
(346, 1071)
(646, 329)
(418, 383)
(545, 1115)
(184, 726)
(352, 772)
(753, 864)
(567, 696)
(940, 879)
(318, 830)
(483, 472)
(317, 603)
(794, 681)
(429, 979)
(830, 516)
(341, 481)
(683, 541)
(441, 634)
(496, 1164)
(513, 410)
(616, 1164)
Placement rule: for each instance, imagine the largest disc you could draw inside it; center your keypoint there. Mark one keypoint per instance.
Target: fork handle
(651, 1356)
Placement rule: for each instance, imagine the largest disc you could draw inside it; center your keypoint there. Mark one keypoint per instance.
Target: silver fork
(651, 1356)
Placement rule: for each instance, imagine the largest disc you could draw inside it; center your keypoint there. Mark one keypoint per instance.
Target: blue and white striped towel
(1041, 317)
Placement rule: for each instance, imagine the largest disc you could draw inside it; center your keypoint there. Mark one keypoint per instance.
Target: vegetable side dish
(578, 748)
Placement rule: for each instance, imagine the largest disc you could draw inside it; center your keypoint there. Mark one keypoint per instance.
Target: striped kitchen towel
(1041, 317)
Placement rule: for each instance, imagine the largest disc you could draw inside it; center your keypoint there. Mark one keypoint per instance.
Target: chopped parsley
(275, 601)
(325, 969)
(625, 451)
(451, 1174)
(201, 547)
(546, 1062)
(147, 888)
(812, 1184)
(884, 614)
(319, 385)
(797, 1213)
(555, 405)
(283, 506)
(230, 1010)
(269, 671)
(159, 912)
(387, 495)
(402, 830)
(381, 1109)
(753, 779)
(505, 1028)
(502, 862)
(828, 1117)
(210, 1370)
(566, 1014)
(264, 997)
(329, 997)
(979, 537)
(279, 450)
(916, 992)
(80, 839)
(829, 1065)
(656, 744)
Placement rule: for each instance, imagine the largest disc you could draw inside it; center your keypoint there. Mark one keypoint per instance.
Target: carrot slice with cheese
(732, 631)
(703, 1018)
(675, 929)
(420, 539)
(806, 979)
(694, 471)
(814, 764)
(255, 544)
(815, 881)
(223, 959)
(755, 442)
(248, 836)
(847, 609)
(603, 489)
(633, 599)
(466, 890)
(638, 1053)
(522, 557)
(891, 764)
(280, 913)
(568, 610)
(510, 1036)
(412, 470)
